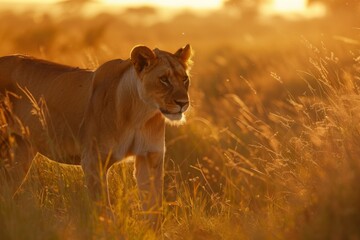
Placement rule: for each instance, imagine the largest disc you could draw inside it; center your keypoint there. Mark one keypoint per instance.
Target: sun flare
(289, 5)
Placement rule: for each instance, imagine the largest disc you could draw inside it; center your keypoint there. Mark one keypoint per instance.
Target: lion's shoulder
(111, 70)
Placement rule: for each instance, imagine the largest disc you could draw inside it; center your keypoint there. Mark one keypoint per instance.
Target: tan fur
(100, 116)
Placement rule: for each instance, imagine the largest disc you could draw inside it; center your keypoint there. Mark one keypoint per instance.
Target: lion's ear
(185, 54)
(142, 57)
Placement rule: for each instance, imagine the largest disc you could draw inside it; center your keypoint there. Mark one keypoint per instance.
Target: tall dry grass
(270, 150)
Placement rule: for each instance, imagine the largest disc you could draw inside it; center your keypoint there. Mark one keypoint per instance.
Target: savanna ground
(272, 143)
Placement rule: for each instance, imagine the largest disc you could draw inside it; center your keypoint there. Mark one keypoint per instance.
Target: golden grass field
(270, 149)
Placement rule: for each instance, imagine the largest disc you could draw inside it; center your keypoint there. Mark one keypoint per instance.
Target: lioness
(98, 117)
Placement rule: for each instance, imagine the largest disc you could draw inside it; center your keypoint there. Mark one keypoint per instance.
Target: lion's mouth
(166, 112)
(173, 116)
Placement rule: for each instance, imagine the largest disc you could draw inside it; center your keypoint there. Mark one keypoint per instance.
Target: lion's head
(164, 79)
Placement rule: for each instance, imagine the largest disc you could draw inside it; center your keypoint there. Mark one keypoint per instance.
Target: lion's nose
(184, 104)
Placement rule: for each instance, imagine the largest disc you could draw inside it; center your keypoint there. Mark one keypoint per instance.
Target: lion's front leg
(149, 178)
(95, 172)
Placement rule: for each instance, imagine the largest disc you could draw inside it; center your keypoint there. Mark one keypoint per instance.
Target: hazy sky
(172, 3)
(169, 3)
(283, 7)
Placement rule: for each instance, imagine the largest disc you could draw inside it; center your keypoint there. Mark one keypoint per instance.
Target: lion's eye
(165, 80)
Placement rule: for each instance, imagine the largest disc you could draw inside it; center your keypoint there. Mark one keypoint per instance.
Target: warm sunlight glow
(293, 9)
(289, 5)
(198, 4)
